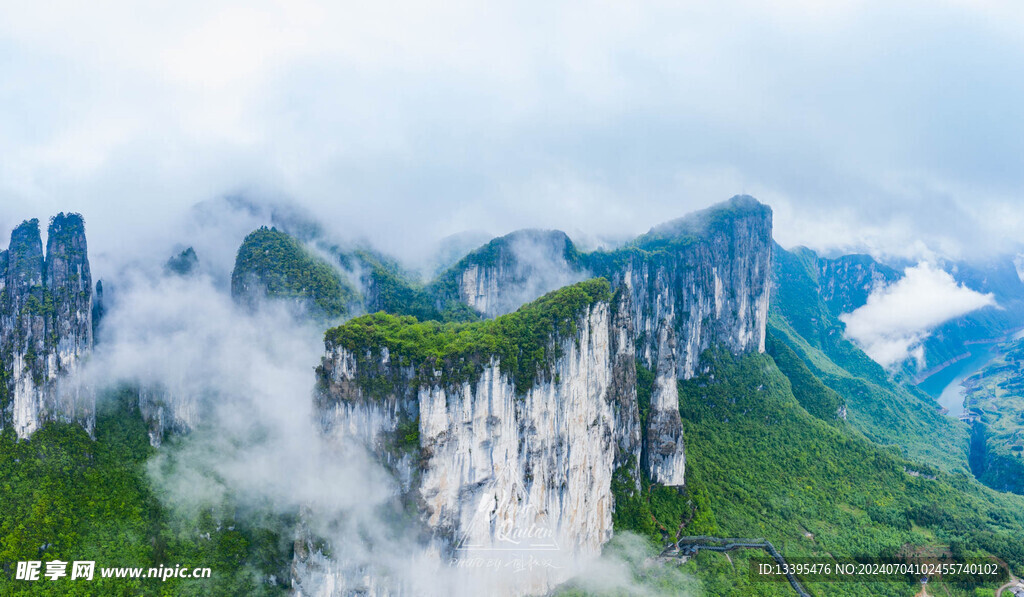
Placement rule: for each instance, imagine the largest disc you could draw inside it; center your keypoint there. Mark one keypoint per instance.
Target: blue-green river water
(945, 386)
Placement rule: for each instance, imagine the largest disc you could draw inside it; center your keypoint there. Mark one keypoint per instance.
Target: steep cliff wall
(846, 282)
(45, 325)
(510, 271)
(167, 413)
(706, 276)
(503, 429)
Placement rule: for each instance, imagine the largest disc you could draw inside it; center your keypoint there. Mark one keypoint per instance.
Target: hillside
(887, 412)
(770, 469)
(273, 264)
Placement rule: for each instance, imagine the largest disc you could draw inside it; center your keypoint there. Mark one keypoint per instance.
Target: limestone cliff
(511, 270)
(706, 276)
(45, 325)
(695, 283)
(489, 450)
(846, 282)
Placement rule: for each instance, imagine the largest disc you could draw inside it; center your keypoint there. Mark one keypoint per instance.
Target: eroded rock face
(515, 269)
(495, 468)
(45, 325)
(707, 275)
(846, 282)
(665, 454)
(698, 283)
(485, 460)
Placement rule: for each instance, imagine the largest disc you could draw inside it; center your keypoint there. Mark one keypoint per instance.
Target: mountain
(511, 270)
(499, 426)
(273, 264)
(755, 416)
(45, 325)
(848, 280)
(761, 465)
(995, 409)
(539, 413)
(531, 399)
(184, 263)
(949, 342)
(886, 411)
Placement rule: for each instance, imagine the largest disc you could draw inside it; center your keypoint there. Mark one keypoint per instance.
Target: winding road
(689, 546)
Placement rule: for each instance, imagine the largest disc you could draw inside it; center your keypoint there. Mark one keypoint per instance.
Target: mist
(897, 318)
(246, 437)
(868, 126)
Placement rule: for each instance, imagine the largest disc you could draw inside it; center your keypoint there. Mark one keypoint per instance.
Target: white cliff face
(479, 289)
(687, 298)
(26, 399)
(504, 469)
(521, 477)
(168, 412)
(665, 453)
(46, 326)
(516, 269)
(713, 292)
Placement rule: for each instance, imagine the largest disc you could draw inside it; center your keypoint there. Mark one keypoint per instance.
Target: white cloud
(897, 318)
(406, 122)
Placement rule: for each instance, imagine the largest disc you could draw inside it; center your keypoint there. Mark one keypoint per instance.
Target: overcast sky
(863, 124)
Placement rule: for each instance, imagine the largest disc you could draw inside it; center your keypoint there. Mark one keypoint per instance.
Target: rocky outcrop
(167, 413)
(846, 282)
(706, 276)
(45, 325)
(512, 270)
(665, 455)
(497, 470)
(185, 263)
(482, 454)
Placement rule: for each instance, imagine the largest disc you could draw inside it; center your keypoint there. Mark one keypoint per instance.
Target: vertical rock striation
(707, 276)
(484, 454)
(45, 325)
(511, 270)
(699, 282)
(846, 281)
(501, 469)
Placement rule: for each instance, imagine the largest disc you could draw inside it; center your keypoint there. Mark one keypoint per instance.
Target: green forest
(68, 497)
(272, 263)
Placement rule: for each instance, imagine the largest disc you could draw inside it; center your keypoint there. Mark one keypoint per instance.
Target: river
(945, 386)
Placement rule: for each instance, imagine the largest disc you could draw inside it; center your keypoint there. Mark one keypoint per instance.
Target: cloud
(243, 382)
(898, 317)
(405, 123)
(629, 566)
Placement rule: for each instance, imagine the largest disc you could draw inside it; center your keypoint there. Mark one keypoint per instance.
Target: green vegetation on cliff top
(273, 262)
(688, 229)
(523, 341)
(393, 290)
